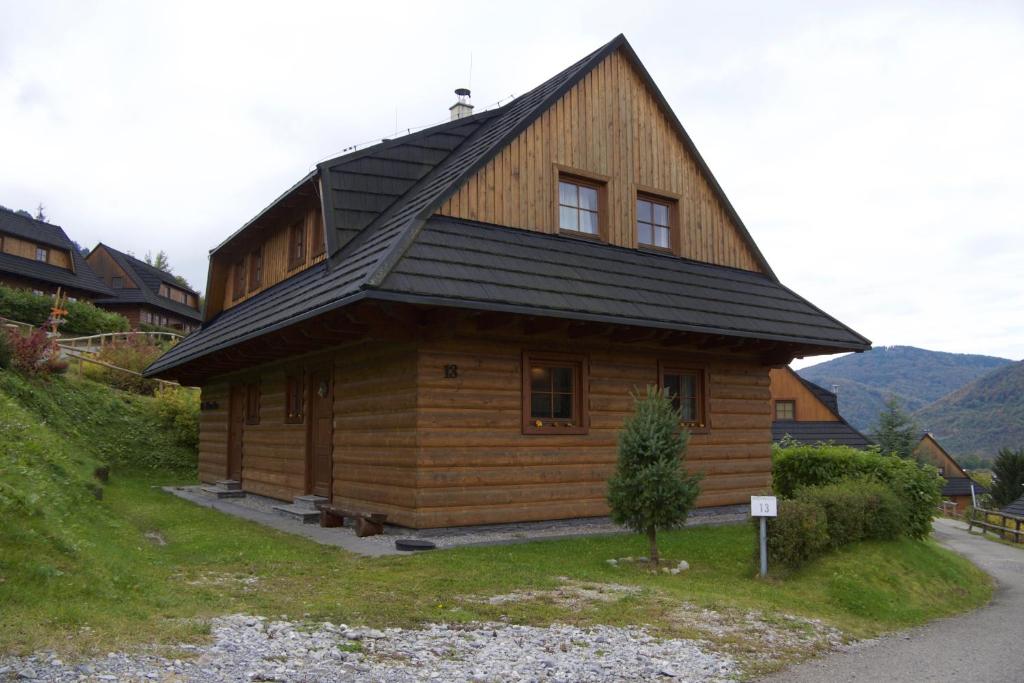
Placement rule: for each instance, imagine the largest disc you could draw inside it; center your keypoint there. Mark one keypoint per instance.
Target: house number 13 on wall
(451, 371)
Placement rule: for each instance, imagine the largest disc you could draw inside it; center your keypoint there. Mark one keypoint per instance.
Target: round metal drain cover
(413, 544)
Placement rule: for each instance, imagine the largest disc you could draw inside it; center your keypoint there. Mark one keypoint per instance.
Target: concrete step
(309, 501)
(222, 492)
(304, 514)
(230, 484)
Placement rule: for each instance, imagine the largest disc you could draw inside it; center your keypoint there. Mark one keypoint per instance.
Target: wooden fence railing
(83, 358)
(94, 340)
(1006, 526)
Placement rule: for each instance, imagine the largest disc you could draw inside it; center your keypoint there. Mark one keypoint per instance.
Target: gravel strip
(249, 648)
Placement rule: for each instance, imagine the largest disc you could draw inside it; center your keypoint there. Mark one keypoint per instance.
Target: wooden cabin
(144, 294)
(446, 327)
(807, 413)
(40, 257)
(957, 488)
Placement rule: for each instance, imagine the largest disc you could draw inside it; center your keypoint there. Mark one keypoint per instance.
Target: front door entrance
(236, 424)
(321, 432)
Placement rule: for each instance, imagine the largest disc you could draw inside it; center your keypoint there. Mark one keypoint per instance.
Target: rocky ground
(248, 648)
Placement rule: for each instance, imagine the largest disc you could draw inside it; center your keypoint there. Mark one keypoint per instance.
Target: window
(578, 206)
(297, 246)
(685, 386)
(42, 254)
(785, 410)
(72, 299)
(238, 289)
(117, 282)
(293, 399)
(255, 269)
(147, 317)
(653, 222)
(165, 291)
(554, 394)
(252, 403)
(319, 246)
(37, 292)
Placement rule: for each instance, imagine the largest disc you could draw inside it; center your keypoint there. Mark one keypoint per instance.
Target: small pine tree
(650, 490)
(897, 432)
(1007, 477)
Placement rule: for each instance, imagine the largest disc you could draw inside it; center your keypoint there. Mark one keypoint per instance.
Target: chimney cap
(462, 92)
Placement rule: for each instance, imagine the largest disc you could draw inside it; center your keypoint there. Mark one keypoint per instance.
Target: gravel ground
(253, 649)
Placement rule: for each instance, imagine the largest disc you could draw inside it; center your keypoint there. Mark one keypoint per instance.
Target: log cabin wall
(608, 127)
(475, 466)
(55, 256)
(213, 433)
(786, 386)
(273, 451)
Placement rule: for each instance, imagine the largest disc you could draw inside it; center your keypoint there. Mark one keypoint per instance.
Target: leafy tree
(1007, 477)
(160, 261)
(650, 490)
(897, 432)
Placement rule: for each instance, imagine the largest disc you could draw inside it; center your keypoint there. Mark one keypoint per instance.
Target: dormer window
(238, 287)
(42, 254)
(117, 282)
(579, 203)
(297, 245)
(256, 269)
(653, 222)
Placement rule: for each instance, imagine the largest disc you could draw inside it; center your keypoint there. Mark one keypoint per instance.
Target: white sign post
(764, 507)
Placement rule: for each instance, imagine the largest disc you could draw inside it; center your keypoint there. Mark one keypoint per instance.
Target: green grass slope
(982, 417)
(916, 376)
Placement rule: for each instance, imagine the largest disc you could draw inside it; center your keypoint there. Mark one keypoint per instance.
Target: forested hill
(916, 376)
(982, 417)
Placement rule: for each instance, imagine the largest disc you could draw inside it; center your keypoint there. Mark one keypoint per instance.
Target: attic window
(117, 282)
(42, 254)
(238, 288)
(579, 204)
(319, 245)
(256, 269)
(785, 410)
(297, 245)
(654, 222)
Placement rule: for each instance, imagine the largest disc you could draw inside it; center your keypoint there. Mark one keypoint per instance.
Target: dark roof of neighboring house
(148, 280)
(839, 433)
(1015, 508)
(961, 486)
(385, 243)
(82, 278)
(827, 397)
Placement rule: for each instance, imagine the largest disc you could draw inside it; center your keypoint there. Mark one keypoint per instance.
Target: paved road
(984, 645)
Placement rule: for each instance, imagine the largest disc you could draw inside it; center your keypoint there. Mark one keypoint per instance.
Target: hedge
(797, 535)
(82, 319)
(918, 487)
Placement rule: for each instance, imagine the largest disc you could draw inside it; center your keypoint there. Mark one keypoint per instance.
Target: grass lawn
(79, 575)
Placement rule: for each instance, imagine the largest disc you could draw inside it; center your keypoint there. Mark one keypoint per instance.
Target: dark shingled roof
(148, 280)
(811, 433)
(83, 278)
(830, 400)
(1015, 508)
(961, 486)
(384, 243)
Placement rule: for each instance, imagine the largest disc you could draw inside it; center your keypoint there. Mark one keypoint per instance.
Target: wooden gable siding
(275, 260)
(608, 126)
(929, 450)
(107, 268)
(27, 249)
(475, 466)
(786, 386)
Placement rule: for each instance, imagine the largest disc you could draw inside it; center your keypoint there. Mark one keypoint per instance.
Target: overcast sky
(875, 152)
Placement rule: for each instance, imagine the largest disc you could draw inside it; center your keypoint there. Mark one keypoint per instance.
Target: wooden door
(236, 426)
(319, 464)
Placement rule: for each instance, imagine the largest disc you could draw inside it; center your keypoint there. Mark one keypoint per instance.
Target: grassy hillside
(916, 376)
(982, 417)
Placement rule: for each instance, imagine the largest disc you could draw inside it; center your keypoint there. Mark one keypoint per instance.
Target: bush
(5, 350)
(178, 410)
(31, 352)
(918, 487)
(797, 535)
(857, 509)
(82, 319)
(135, 354)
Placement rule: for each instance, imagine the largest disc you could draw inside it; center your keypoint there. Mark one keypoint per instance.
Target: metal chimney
(462, 108)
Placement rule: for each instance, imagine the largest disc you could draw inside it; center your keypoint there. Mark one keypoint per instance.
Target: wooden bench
(366, 523)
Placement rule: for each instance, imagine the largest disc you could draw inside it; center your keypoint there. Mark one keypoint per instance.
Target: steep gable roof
(379, 203)
(148, 279)
(82, 277)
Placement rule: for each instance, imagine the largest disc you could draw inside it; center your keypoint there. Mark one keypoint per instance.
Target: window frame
(297, 229)
(252, 402)
(45, 252)
(775, 410)
(581, 396)
(583, 179)
(116, 282)
(318, 238)
(238, 279)
(255, 268)
(294, 392)
(701, 424)
(672, 203)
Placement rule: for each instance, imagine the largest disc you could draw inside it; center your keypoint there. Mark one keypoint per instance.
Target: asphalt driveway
(984, 645)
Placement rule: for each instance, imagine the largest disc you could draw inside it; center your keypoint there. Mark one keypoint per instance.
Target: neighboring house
(447, 327)
(144, 294)
(808, 413)
(958, 483)
(1016, 508)
(38, 256)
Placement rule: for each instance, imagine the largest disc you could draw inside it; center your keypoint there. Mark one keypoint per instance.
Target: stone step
(309, 501)
(230, 484)
(301, 513)
(222, 492)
